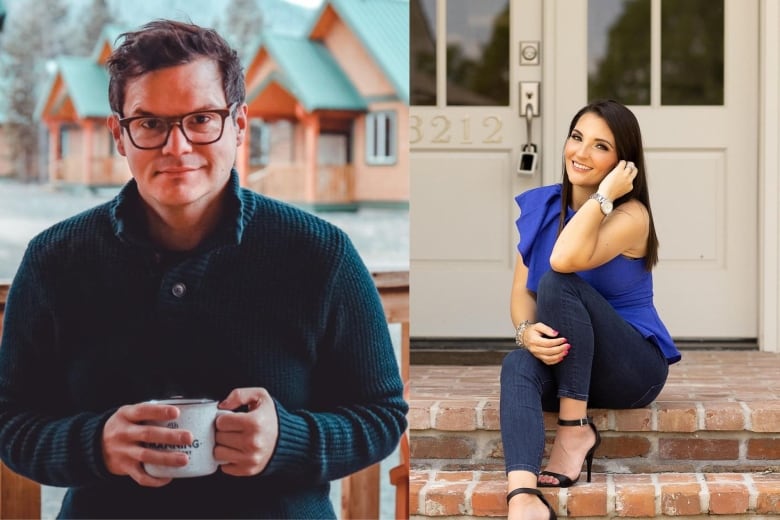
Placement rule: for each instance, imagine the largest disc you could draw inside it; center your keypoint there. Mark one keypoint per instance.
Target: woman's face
(590, 152)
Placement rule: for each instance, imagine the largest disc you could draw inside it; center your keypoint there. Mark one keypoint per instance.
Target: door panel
(464, 226)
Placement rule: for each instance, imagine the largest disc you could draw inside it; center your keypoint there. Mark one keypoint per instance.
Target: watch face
(606, 207)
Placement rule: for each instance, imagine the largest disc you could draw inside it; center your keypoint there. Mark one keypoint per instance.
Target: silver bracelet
(519, 333)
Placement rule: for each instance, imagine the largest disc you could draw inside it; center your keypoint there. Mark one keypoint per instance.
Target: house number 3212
(442, 130)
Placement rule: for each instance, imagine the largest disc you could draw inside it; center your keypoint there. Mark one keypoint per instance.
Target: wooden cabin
(328, 111)
(74, 108)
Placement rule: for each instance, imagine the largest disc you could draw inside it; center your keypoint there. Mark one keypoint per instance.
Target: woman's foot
(572, 444)
(527, 507)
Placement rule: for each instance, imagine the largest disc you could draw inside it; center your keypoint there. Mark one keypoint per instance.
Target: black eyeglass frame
(177, 120)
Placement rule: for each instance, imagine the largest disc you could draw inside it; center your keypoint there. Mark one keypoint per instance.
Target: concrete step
(720, 411)
(479, 494)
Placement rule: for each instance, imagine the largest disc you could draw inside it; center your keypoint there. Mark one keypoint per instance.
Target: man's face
(180, 175)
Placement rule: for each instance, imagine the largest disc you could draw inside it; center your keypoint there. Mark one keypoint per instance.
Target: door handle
(529, 96)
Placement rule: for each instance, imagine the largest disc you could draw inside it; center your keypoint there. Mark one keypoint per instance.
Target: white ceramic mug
(197, 416)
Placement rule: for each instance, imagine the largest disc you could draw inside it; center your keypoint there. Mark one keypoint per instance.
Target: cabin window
(381, 137)
(64, 142)
(259, 142)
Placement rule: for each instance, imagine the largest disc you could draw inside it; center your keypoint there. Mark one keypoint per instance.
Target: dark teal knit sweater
(97, 317)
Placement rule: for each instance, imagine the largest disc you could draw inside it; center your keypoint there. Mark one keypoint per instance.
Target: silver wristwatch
(605, 203)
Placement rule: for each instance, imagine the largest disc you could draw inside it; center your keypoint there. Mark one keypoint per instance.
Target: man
(186, 284)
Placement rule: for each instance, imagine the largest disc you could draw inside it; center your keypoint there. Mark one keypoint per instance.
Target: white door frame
(769, 177)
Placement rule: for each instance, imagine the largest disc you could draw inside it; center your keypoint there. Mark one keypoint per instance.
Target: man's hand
(124, 438)
(246, 441)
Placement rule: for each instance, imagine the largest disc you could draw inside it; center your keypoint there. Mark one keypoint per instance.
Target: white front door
(466, 136)
(689, 71)
(700, 135)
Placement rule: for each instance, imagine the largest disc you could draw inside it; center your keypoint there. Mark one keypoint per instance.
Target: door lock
(529, 53)
(529, 96)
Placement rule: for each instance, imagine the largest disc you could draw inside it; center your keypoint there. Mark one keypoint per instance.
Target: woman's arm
(590, 239)
(539, 339)
(523, 303)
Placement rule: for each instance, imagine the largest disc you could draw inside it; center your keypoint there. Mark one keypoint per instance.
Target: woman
(582, 304)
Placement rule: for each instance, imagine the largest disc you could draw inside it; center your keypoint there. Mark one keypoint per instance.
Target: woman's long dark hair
(628, 144)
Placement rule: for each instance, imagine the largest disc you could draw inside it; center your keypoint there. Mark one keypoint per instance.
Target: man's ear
(241, 123)
(116, 133)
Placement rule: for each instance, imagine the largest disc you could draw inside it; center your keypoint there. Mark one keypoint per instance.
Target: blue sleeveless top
(623, 282)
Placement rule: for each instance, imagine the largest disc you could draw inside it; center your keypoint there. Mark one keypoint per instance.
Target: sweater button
(179, 289)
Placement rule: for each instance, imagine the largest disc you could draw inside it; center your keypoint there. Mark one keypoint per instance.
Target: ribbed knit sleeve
(359, 412)
(39, 441)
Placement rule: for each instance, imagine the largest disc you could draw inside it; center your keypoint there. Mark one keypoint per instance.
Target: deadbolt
(529, 53)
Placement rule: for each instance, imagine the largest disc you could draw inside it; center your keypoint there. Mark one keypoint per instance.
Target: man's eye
(151, 123)
(201, 119)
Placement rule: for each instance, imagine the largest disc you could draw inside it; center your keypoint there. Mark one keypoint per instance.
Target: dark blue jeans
(610, 365)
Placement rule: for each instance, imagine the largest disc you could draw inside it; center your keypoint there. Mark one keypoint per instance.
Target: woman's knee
(552, 288)
(554, 281)
(519, 364)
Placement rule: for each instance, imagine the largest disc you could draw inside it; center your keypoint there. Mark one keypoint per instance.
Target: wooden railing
(334, 183)
(105, 171)
(21, 497)
(360, 492)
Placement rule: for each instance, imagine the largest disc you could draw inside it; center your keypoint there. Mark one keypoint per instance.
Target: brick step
(719, 412)
(621, 450)
(477, 494)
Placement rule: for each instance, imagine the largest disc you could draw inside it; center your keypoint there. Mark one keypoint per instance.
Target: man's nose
(177, 142)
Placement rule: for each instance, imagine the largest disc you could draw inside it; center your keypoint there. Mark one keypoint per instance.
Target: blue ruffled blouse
(623, 281)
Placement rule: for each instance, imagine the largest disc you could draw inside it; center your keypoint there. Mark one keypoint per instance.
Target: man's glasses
(202, 127)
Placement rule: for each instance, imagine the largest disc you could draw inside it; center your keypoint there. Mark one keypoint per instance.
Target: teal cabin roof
(309, 72)
(85, 83)
(383, 28)
(109, 36)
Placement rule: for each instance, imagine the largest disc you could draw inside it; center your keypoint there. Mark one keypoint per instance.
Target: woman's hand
(619, 181)
(544, 344)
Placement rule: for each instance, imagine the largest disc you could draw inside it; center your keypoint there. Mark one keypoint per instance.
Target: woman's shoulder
(549, 190)
(634, 208)
(540, 194)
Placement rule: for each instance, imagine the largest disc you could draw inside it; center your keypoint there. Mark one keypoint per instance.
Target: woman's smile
(580, 167)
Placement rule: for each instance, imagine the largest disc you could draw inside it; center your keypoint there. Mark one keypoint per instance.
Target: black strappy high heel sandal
(563, 480)
(532, 491)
